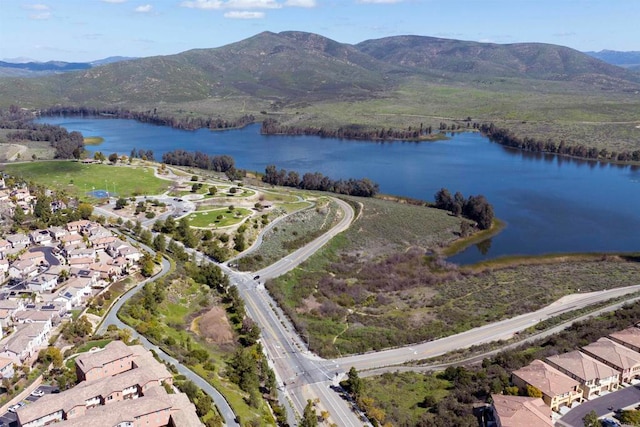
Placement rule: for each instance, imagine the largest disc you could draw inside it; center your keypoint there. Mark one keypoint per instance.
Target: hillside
(536, 61)
(306, 79)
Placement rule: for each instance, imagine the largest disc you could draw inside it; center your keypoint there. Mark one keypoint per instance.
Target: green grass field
(77, 179)
(210, 218)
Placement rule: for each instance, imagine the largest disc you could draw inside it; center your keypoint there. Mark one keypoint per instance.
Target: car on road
(37, 393)
(256, 277)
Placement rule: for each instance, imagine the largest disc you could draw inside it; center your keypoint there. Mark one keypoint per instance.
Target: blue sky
(86, 30)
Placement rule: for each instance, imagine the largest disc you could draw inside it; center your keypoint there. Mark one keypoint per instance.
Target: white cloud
(234, 4)
(300, 3)
(202, 4)
(380, 1)
(37, 6)
(236, 14)
(144, 9)
(40, 16)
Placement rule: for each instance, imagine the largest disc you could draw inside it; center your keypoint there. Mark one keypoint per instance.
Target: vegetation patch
(403, 398)
(93, 140)
(290, 234)
(378, 286)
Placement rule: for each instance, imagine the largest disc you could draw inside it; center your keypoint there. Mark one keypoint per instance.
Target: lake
(550, 204)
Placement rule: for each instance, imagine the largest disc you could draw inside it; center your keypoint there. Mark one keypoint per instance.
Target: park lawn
(77, 179)
(209, 219)
(295, 206)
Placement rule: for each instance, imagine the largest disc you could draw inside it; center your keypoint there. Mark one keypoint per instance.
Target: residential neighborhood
(49, 274)
(118, 385)
(566, 380)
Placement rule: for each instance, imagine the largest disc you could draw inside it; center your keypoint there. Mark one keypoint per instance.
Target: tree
(354, 383)
(213, 190)
(630, 417)
(121, 203)
(159, 243)
(533, 391)
(18, 215)
(309, 418)
(147, 265)
(443, 199)
(51, 355)
(42, 208)
(204, 403)
(591, 420)
(113, 158)
(85, 210)
(98, 156)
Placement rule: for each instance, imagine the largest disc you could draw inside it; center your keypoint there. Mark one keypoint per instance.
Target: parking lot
(627, 398)
(10, 419)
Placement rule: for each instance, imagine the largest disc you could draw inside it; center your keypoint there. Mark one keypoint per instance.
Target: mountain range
(29, 68)
(297, 66)
(629, 60)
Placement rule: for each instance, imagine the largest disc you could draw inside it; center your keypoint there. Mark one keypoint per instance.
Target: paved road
(300, 374)
(625, 398)
(488, 333)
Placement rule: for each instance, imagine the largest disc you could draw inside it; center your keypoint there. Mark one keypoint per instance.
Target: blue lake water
(550, 204)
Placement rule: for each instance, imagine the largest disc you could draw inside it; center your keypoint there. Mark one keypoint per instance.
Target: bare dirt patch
(213, 326)
(310, 303)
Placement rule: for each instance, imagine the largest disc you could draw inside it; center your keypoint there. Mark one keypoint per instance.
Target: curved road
(301, 375)
(112, 319)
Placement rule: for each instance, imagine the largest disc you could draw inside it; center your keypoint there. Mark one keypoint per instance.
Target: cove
(550, 204)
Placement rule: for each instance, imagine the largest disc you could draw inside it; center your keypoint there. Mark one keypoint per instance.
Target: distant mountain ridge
(629, 60)
(293, 67)
(37, 69)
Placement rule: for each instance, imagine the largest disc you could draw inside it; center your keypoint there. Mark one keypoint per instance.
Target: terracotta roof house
(83, 262)
(115, 358)
(82, 398)
(619, 357)
(557, 388)
(132, 397)
(78, 226)
(71, 240)
(155, 409)
(629, 337)
(519, 411)
(594, 376)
